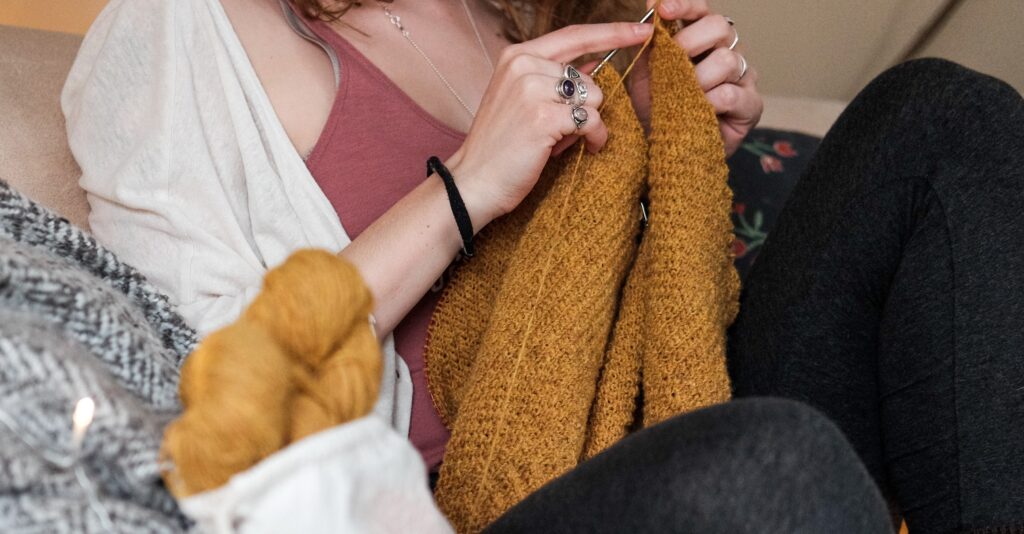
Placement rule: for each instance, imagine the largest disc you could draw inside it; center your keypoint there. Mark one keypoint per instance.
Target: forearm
(403, 253)
(516, 129)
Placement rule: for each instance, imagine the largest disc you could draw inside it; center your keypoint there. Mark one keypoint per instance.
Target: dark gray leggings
(749, 466)
(890, 295)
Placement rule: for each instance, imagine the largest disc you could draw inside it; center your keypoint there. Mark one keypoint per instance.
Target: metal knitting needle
(647, 17)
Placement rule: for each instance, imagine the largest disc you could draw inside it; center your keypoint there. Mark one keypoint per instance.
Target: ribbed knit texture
(537, 350)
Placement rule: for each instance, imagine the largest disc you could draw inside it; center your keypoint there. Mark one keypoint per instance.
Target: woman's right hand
(522, 120)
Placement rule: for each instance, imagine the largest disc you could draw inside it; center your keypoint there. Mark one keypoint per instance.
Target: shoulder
(245, 13)
(262, 29)
(137, 30)
(143, 43)
(142, 14)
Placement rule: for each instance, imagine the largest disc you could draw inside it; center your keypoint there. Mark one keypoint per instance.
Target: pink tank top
(372, 152)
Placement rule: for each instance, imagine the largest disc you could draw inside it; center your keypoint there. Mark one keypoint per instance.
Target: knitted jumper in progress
(544, 343)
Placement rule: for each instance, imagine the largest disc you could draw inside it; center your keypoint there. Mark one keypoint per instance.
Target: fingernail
(642, 29)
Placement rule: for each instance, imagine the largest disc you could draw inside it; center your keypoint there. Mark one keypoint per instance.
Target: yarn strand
(548, 261)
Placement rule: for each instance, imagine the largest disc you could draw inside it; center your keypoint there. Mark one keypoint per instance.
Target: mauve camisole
(372, 152)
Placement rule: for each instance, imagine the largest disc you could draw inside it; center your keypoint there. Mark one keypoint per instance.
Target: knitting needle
(647, 17)
(607, 58)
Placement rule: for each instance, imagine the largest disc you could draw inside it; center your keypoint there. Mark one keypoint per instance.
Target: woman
(215, 137)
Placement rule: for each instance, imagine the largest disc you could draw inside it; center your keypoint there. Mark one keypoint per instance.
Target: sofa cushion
(34, 154)
(762, 174)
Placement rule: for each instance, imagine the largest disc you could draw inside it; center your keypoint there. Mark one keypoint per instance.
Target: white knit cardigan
(189, 173)
(192, 179)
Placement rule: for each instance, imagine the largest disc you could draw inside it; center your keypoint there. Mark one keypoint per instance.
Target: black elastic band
(434, 165)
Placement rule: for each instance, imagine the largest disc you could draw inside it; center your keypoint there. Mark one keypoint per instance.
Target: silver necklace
(397, 22)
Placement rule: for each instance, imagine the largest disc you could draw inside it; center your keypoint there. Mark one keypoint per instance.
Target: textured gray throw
(76, 322)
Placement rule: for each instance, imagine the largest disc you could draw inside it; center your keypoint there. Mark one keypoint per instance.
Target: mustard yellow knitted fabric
(302, 358)
(540, 345)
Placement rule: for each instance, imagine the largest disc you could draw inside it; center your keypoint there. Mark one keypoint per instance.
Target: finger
(565, 143)
(721, 66)
(541, 87)
(750, 78)
(588, 66)
(593, 131)
(571, 42)
(713, 31)
(527, 65)
(681, 9)
(741, 105)
(595, 96)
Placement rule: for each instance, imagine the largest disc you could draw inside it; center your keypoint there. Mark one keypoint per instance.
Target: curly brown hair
(525, 19)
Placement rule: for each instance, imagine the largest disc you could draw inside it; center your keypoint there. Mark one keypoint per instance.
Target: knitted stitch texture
(540, 345)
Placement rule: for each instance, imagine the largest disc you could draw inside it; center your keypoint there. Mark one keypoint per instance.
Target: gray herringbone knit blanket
(75, 322)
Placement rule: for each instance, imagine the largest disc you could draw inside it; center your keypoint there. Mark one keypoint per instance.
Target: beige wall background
(832, 48)
(815, 48)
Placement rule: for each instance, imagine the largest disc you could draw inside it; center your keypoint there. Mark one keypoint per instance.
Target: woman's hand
(522, 120)
(731, 91)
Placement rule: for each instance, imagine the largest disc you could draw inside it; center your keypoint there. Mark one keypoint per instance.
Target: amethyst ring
(570, 87)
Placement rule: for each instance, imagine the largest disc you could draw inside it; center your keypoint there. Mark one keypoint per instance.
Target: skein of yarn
(303, 358)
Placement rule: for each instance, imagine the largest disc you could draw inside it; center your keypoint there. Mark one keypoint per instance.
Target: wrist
(475, 193)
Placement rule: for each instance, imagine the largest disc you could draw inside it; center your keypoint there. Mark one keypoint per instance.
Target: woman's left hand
(730, 84)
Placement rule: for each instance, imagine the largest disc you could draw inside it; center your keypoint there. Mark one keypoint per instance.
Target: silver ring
(743, 69)
(579, 116)
(735, 33)
(570, 88)
(566, 90)
(581, 93)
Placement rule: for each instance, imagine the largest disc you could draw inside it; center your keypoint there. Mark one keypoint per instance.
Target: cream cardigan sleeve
(189, 174)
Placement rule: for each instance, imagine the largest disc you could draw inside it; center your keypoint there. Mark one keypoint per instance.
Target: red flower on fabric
(739, 248)
(770, 164)
(739, 208)
(784, 149)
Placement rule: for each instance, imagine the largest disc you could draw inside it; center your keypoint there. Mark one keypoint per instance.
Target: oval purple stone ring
(571, 88)
(566, 89)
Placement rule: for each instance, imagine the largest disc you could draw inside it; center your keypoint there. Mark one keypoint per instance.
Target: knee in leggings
(792, 440)
(785, 424)
(785, 431)
(945, 82)
(783, 463)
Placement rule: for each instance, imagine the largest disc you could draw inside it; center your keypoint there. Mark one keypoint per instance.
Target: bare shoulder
(296, 75)
(249, 17)
(252, 13)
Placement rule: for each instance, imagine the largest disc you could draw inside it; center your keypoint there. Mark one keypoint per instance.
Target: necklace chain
(396, 21)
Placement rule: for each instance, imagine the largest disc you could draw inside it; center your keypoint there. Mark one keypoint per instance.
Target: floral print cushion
(762, 173)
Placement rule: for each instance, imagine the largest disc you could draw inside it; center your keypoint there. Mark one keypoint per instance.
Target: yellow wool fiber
(540, 345)
(302, 359)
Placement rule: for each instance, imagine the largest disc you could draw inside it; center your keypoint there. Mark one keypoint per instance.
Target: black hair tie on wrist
(434, 165)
